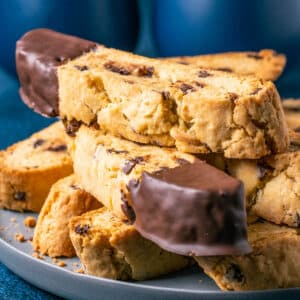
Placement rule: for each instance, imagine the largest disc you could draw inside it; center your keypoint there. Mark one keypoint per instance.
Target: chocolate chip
(233, 96)
(126, 208)
(144, 71)
(59, 148)
(111, 66)
(234, 273)
(116, 151)
(255, 56)
(182, 161)
(74, 187)
(130, 164)
(60, 59)
(38, 142)
(263, 169)
(199, 84)
(255, 91)
(72, 126)
(20, 196)
(297, 219)
(297, 129)
(203, 74)
(187, 88)
(82, 230)
(228, 70)
(166, 95)
(81, 68)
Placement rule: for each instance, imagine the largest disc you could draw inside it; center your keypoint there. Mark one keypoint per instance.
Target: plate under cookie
(66, 282)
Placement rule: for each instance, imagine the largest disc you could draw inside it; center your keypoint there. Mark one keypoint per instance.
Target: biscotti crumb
(37, 255)
(80, 271)
(30, 222)
(13, 220)
(75, 264)
(20, 237)
(60, 263)
(54, 260)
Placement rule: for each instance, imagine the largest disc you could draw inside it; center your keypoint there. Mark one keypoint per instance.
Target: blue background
(153, 28)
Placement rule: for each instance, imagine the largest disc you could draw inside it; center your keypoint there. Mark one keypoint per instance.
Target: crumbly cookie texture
(109, 247)
(274, 262)
(154, 101)
(105, 164)
(266, 64)
(272, 184)
(291, 109)
(65, 200)
(29, 168)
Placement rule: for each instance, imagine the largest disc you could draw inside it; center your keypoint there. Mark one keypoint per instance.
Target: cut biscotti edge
(66, 199)
(274, 262)
(30, 167)
(109, 247)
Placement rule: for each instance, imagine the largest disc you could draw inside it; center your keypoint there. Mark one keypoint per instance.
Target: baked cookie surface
(265, 64)
(274, 262)
(65, 200)
(109, 247)
(157, 102)
(30, 167)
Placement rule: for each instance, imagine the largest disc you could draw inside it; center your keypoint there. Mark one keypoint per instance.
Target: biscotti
(274, 262)
(65, 200)
(105, 165)
(265, 64)
(151, 101)
(109, 247)
(29, 168)
(291, 109)
(148, 185)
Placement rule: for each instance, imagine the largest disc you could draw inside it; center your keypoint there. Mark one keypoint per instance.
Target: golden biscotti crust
(274, 262)
(158, 102)
(30, 167)
(65, 200)
(266, 64)
(111, 248)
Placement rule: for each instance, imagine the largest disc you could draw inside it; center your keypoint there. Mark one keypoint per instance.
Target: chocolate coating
(193, 209)
(38, 53)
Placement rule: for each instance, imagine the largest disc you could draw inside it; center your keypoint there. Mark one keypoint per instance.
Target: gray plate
(64, 282)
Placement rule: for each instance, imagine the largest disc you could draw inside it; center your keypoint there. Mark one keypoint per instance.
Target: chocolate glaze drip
(193, 209)
(38, 53)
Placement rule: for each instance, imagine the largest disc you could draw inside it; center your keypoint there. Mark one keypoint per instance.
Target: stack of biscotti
(162, 145)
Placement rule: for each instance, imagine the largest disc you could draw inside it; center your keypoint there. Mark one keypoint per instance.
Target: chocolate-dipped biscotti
(147, 100)
(30, 167)
(109, 247)
(65, 200)
(265, 64)
(273, 263)
(181, 203)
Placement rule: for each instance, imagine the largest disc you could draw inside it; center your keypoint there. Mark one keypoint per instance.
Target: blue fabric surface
(16, 123)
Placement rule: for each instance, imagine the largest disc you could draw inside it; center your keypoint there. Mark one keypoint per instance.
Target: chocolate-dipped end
(38, 53)
(193, 209)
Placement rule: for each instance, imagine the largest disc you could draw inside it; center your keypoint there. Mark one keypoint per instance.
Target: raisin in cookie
(266, 64)
(29, 168)
(65, 200)
(151, 101)
(274, 262)
(109, 247)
